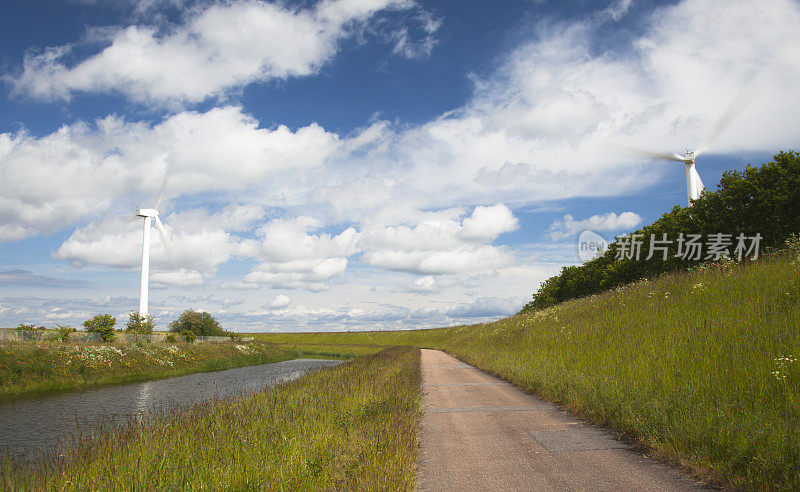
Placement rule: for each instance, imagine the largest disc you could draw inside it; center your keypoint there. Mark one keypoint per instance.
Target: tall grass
(700, 367)
(28, 368)
(351, 427)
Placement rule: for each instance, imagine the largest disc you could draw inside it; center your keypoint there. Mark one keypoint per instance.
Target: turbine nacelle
(147, 212)
(688, 157)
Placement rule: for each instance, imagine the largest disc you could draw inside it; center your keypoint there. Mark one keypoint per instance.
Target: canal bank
(36, 368)
(33, 426)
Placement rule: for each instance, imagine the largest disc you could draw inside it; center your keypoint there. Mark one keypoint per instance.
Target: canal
(32, 426)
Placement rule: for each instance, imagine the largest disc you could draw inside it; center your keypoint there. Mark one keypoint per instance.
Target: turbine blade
(742, 99)
(633, 152)
(167, 171)
(165, 241)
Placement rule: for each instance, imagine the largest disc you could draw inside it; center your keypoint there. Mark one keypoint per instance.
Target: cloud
(568, 226)
(278, 302)
(486, 223)
(27, 278)
(441, 244)
(199, 242)
(530, 133)
(293, 257)
(426, 285)
(487, 307)
(616, 10)
(214, 50)
(405, 43)
(62, 310)
(534, 129)
(81, 170)
(178, 278)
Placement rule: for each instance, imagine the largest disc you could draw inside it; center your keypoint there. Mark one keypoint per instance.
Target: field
(700, 367)
(332, 350)
(28, 368)
(351, 427)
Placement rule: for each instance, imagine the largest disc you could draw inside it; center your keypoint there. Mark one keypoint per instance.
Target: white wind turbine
(149, 215)
(694, 185)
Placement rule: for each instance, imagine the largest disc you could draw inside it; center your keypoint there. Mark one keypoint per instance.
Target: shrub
(236, 337)
(64, 332)
(199, 322)
(102, 324)
(188, 336)
(25, 328)
(171, 338)
(140, 324)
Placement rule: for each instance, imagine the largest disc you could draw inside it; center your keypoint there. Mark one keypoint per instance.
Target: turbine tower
(150, 215)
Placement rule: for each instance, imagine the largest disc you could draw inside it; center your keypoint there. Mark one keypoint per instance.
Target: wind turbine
(694, 185)
(149, 215)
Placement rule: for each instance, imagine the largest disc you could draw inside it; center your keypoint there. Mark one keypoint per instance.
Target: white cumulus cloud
(278, 302)
(51, 182)
(568, 226)
(215, 49)
(441, 245)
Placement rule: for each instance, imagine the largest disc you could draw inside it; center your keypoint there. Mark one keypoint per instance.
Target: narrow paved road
(480, 433)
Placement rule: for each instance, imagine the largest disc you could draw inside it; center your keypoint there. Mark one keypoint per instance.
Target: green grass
(700, 367)
(350, 427)
(30, 368)
(328, 350)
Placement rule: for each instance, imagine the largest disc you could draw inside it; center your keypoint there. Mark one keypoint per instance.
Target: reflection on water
(30, 426)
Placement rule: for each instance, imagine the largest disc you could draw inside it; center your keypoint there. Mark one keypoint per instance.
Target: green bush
(235, 337)
(759, 200)
(102, 324)
(140, 324)
(25, 328)
(171, 338)
(199, 322)
(188, 336)
(64, 331)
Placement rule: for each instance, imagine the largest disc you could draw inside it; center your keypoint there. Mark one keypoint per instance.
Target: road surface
(480, 433)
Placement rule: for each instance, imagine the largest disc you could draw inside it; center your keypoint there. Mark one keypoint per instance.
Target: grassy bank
(329, 350)
(700, 367)
(28, 368)
(351, 427)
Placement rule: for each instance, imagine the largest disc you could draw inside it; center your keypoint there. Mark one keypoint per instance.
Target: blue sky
(359, 164)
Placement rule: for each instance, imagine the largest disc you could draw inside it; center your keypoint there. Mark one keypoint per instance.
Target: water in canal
(33, 425)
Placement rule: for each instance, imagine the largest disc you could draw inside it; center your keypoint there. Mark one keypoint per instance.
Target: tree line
(761, 202)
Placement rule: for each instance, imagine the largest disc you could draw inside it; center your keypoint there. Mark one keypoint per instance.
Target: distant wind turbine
(694, 185)
(149, 215)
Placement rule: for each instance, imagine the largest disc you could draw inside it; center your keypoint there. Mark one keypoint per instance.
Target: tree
(102, 324)
(199, 322)
(140, 324)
